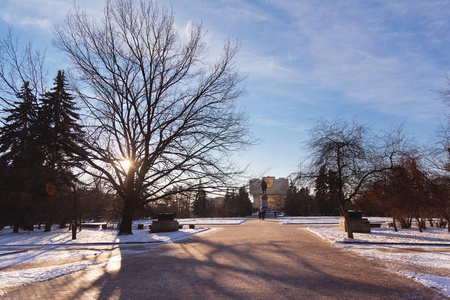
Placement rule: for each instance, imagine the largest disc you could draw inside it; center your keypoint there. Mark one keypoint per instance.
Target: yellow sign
(274, 202)
(269, 181)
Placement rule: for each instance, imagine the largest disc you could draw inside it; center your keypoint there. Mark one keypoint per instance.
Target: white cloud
(361, 52)
(42, 15)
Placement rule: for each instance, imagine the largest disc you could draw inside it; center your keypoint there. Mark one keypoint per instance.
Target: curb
(12, 252)
(393, 243)
(81, 244)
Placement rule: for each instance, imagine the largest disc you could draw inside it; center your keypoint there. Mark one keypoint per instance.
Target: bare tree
(19, 64)
(161, 114)
(354, 154)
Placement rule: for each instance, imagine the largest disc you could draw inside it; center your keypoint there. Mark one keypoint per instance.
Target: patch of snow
(332, 220)
(402, 248)
(21, 277)
(56, 246)
(386, 235)
(441, 284)
(88, 235)
(212, 221)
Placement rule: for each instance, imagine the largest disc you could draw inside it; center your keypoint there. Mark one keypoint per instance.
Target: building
(276, 192)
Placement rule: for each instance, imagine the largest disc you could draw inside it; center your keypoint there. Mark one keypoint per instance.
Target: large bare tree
(162, 115)
(354, 154)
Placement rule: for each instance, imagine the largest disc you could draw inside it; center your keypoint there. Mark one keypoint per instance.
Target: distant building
(276, 191)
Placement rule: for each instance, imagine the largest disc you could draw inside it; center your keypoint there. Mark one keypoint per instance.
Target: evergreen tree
(321, 191)
(299, 202)
(244, 202)
(291, 203)
(21, 160)
(326, 191)
(333, 192)
(64, 133)
(238, 204)
(200, 205)
(62, 138)
(229, 203)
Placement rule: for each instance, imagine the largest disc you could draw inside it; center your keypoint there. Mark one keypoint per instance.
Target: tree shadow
(399, 234)
(204, 269)
(290, 266)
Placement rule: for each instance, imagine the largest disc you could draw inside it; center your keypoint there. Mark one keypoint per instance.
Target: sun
(126, 164)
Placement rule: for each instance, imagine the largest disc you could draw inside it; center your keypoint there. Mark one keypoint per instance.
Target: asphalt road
(256, 260)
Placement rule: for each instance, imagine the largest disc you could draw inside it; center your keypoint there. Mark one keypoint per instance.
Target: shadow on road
(257, 260)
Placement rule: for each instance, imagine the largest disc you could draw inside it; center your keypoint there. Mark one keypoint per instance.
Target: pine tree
(299, 202)
(244, 203)
(62, 139)
(321, 191)
(21, 159)
(325, 191)
(292, 203)
(200, 205)
(333, 192)
(64, 132)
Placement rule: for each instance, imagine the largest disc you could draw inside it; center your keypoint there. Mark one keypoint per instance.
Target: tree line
(350, 167)
(37, 161)
(39, 141)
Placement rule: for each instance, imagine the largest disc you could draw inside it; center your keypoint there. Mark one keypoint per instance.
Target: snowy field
(425, 256)
(30, 257)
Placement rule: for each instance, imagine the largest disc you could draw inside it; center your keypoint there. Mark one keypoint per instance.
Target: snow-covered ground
(324, 220)
(407, 252)
(30, 257)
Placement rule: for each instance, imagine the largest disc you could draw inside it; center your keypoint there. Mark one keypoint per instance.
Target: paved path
(256, 260)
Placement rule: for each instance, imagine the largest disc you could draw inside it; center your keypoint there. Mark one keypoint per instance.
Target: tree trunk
(74, 229)
(419, 224)
(74, 222)
(48, 225)
(30, 227)
(49, 217)
(127, 215)
(395, 223)
(127, 220)
(62, 224)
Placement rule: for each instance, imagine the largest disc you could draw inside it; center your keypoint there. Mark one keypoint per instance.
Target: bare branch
(154, 100)
(20, 64)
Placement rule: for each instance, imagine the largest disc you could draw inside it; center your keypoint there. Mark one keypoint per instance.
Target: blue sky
(379, 62)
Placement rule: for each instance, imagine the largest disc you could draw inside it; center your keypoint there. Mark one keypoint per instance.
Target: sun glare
(125, 164)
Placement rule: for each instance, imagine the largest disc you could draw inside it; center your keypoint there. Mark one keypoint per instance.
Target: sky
(380, 63)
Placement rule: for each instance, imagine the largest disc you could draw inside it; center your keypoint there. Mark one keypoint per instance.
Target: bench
(102, 225)
(191, 226)
(375, 224)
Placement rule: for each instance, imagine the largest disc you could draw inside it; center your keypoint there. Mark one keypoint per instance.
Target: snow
(324, 220)
(29, 257)
(437, 282)
(426, 253)
(21, 277)
(23, 253)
